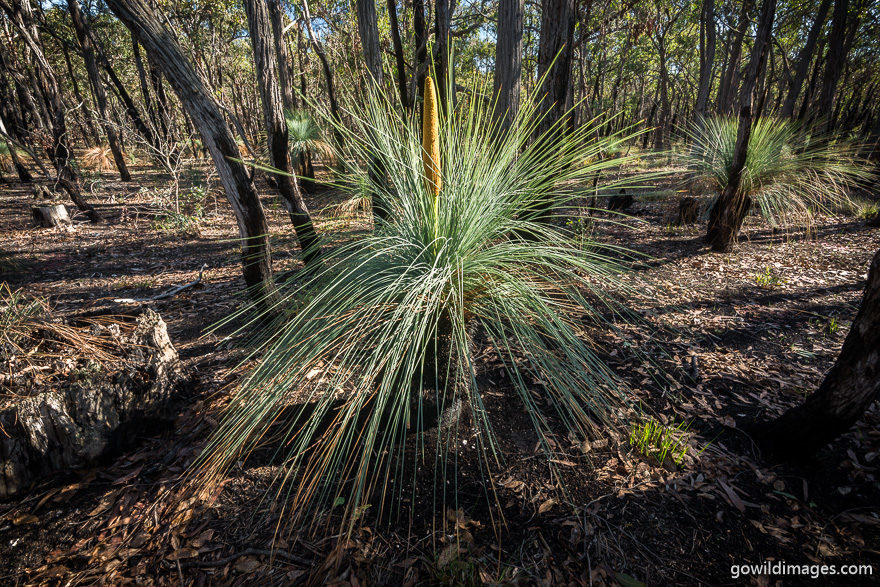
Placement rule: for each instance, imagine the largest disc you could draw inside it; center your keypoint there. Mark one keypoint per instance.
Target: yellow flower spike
(431, 139)
(431, 150)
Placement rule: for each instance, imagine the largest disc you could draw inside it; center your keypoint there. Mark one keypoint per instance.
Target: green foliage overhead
(354, 360)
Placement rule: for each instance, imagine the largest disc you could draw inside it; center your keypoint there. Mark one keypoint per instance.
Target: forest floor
(733, 338)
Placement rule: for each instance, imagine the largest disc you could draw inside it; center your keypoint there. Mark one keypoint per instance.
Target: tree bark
(398, 54)
(420, 41)
(163, 48)
(847, 391)
(554, 61)
(508, 62)
(88, 129)
(805, 57)
(732, 206)
(443, 73)
(80, 27)
(263, 42)
(285, 77)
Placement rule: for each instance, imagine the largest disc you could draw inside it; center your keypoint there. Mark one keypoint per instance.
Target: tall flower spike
(431, 139)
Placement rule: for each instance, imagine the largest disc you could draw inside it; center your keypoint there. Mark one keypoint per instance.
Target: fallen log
(49, 216)
(77, 421)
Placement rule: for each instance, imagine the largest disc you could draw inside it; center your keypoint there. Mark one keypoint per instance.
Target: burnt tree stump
(73, 424)
(49, 216)
(620, 202)
(688, 211)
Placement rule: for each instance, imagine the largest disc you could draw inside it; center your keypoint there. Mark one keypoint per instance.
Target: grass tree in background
(372, 376)
(788, 174)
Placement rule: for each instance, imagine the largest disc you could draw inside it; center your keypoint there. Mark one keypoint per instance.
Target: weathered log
(49, 216)
(72, 425)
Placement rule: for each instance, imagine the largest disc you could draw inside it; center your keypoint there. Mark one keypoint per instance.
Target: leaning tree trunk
(732, 206)
(328, 73)
(79, 25)
(849, 388)
(508, 62)
(265, 62)
(163, 48)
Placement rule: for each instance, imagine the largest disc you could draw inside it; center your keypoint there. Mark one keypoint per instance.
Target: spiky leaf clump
(789, 173)
(380, 345)
(304, 133)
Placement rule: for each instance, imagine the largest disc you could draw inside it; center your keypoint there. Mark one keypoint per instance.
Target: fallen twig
(166, 295)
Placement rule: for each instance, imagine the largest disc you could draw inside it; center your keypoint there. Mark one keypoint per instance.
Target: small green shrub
(660, 441)
(769, 279)
(17, 309)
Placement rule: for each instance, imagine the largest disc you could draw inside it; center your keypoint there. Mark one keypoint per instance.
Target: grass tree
(371, 375)
(788, 176)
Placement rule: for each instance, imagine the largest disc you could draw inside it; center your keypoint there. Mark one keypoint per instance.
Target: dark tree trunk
(707, 58)
(508, 61)
(849, 388)
(444, 73)
(732, 206)
(285, 77)
(398, 54)
(162, 47)
(557, 34)
(834, 62)
(80, 27)
(58, 151)
(805, 57)
(420, 40)
(263, 42)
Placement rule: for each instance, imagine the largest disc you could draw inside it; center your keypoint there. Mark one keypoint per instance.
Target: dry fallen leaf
(546, 505)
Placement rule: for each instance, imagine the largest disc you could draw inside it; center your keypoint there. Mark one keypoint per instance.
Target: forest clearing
(439, 294)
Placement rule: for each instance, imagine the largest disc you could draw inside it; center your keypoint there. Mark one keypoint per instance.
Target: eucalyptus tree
(266, 64)
(202, 108)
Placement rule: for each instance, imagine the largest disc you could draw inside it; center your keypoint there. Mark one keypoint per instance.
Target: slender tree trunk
(285, 77)
(162, 47)
(834, 62)
(508, 62)
(265, 62)
(368, 28)
(660, 138)
(328, 72)
(847, 391)
(80, 27)
(398, 54)
(805, 57)
(732, 206)
(707, 58)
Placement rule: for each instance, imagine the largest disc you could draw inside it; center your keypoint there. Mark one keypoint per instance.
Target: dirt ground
(733, 338)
